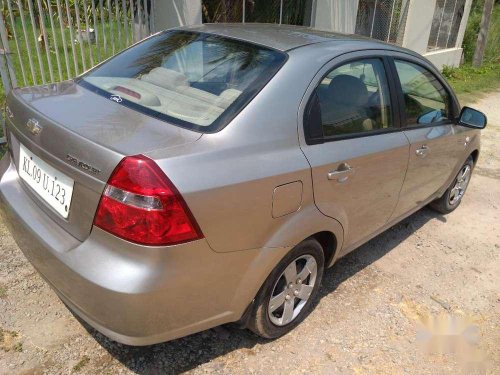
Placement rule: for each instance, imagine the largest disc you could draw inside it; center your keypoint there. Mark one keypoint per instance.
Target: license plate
(55, 188)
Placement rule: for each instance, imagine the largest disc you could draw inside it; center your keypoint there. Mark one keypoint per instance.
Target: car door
(428, 121)
(353, 142)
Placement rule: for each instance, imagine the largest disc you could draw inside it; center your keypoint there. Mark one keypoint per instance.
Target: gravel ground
(391, 306)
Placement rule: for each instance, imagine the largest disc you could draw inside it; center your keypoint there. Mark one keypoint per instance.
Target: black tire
(444, 204)
(259, 321)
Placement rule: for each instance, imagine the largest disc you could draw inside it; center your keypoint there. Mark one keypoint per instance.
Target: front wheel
(288, 294)
(453, 196)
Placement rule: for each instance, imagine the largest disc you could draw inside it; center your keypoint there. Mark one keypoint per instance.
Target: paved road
(378, 309)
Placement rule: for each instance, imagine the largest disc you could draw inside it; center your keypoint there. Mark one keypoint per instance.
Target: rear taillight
(129, 92)
(141, 205)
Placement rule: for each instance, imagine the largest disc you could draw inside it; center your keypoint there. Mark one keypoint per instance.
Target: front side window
(194, 80)
(354, 98)
(426, 100)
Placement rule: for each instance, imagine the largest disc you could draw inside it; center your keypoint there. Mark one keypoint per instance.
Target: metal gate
(382, 19)
(45, 41)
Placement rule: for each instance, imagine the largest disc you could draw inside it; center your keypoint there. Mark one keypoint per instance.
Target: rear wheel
(289, 292)
(453, 196)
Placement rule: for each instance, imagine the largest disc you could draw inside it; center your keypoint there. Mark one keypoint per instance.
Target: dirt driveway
(442, 272)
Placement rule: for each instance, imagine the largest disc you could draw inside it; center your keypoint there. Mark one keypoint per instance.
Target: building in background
(433, 28)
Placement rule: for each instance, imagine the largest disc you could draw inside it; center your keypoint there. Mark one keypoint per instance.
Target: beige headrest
(166, 78)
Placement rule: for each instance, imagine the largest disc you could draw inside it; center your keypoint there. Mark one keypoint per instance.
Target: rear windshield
(194, 80)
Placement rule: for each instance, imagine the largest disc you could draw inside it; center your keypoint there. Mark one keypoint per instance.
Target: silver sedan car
(210, 174)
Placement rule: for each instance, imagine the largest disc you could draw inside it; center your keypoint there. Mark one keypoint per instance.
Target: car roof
(287, 37)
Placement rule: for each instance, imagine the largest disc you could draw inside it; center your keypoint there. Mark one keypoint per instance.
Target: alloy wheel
(458, 190)
(292, 290)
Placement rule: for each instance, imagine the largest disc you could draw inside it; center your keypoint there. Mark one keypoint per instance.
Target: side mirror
(472, 118)
(430, 117)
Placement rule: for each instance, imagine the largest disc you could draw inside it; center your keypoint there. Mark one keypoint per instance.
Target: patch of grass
(469, 82)
(80, 56)
(2, 105)
(9, 341)
(81, 363)
(3, 149)
(3, 291)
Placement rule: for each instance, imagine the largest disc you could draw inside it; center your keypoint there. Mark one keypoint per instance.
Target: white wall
(335, 15)
(418, 25)
(173, 13)
(442, 57)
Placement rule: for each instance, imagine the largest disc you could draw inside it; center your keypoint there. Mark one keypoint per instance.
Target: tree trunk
(483, 33)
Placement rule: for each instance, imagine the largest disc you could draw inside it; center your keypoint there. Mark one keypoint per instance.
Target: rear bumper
(134, 295)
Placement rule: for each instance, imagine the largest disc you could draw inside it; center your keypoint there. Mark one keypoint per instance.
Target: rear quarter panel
(228, 178)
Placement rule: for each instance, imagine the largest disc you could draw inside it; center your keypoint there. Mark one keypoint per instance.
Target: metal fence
(44, 41)
(382, 19)
(445, 24)
(291, 12)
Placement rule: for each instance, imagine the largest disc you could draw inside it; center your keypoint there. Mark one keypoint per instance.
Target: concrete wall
(173, 13)
(335, 15)
(442, 57)
(418, 25)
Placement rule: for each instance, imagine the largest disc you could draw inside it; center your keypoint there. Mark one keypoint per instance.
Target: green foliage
(265, 11)
(493, 42)
(467, 72)
(60, 38)
(3, 289)
(73, 6)
(470, 36)
(81, 363)
(492, 54)
(3, 148)
(449, 71)
(468, 81)
(9, 341)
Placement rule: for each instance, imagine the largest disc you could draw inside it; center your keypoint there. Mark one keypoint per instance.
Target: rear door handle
(422, 151)
(341, 174)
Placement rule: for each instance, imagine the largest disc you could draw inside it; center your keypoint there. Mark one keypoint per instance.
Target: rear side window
(426, 100)
(354, 99)
(195, 80)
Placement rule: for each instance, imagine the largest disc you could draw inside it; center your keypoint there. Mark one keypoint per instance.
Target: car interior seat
(345, 109)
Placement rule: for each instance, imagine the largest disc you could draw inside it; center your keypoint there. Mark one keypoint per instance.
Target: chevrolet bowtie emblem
(34, 126)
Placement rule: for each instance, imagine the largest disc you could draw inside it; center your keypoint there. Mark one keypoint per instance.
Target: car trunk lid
(83, 136)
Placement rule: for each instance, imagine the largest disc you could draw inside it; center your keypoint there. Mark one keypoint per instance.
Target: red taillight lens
(141, 205)
(129, 92)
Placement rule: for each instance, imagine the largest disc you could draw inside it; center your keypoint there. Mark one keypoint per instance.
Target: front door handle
(422, 151)
(341, 174)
